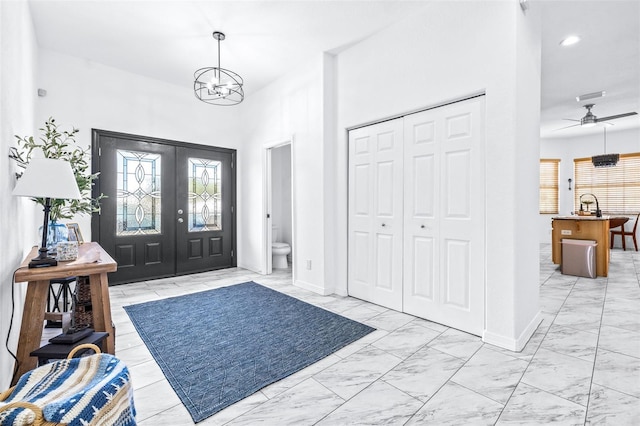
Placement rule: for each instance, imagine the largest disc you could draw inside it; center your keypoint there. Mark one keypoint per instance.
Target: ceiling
(168, 40)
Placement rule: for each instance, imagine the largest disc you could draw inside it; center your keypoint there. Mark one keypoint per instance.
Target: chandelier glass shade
(217, 85)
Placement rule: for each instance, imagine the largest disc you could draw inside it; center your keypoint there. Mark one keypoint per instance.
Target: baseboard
(515, 345)
(312, 287)
(251, 268)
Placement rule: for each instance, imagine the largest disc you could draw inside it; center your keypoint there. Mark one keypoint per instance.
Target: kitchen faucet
(598, 212)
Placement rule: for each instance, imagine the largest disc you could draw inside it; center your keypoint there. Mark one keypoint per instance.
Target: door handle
(384, 224)
(180, 211)
(180, 220)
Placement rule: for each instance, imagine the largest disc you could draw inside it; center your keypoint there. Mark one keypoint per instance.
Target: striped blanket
(92, 390)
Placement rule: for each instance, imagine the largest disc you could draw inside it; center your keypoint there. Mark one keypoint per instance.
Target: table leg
(101, 307)
(31, 328)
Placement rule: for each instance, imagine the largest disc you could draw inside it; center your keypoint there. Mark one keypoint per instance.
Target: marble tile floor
(581, 367)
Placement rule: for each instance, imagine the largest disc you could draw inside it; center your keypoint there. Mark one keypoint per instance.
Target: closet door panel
(421, 204)
(421, 281)
(456, 278)
(462, 217)
(375, 168)
(457, 185)
(451, 184)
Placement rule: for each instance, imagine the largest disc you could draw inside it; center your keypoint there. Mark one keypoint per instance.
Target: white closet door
(421, 213)
(444, 215)
(375, 213)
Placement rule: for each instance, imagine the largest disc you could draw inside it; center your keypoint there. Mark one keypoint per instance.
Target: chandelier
(605, 160)
(216, 85)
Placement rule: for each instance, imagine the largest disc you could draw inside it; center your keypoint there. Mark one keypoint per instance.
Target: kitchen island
(582, 228)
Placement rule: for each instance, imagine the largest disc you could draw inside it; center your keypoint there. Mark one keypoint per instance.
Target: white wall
(291, 106)
(88, 95)
(18, 228)
(566, 149)
(449, 51)
(453, 50)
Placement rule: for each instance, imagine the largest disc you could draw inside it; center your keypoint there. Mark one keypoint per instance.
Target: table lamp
(47, 178)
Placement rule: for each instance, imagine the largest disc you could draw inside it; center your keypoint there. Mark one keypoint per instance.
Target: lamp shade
(48, 178)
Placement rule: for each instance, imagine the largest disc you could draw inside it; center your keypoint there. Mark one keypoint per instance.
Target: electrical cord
(13, 311)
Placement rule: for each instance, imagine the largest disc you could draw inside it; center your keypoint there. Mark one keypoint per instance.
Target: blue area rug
(219, 346)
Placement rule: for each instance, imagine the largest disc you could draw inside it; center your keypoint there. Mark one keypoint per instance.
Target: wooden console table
(36, 299)
(582, 228)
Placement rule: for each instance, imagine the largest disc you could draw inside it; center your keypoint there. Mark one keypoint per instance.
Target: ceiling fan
(590, 120)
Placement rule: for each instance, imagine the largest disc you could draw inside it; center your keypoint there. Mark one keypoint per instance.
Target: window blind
(549, 186)
(617, 188)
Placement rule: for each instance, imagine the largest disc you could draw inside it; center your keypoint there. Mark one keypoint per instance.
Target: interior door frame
(267, 192)
(96, 134)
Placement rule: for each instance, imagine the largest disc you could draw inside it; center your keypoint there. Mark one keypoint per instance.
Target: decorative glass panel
(139, 201)
(204, 194)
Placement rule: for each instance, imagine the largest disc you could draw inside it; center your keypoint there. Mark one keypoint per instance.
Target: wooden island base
(582, 228)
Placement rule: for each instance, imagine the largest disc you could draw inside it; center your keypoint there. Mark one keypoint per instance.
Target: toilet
(279, 250)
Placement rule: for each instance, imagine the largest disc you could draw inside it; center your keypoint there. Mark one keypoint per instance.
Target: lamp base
(42, 262)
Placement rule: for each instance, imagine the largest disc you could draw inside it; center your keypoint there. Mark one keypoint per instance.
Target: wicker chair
(92, 390)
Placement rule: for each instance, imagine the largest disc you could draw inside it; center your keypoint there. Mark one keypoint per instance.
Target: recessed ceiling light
(568, 41)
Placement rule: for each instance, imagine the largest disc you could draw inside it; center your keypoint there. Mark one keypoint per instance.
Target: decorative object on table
(93, 389)
(60, 145)
(56, 233)
(67, 250)
(216, 85)
(74, 233)
(49, 179)
(225, 344)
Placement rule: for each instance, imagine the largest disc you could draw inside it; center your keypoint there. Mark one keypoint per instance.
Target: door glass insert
(138, 193)
(204, 194)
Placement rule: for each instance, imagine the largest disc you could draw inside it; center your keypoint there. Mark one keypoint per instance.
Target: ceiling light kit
(216, 85)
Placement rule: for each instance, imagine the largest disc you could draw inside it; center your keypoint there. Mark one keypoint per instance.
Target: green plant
(57, 144)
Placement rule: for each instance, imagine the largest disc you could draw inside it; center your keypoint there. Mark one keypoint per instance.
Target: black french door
(170, 208)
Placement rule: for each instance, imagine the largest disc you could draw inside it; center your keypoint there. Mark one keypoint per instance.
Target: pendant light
(216, 85)
(605, 160)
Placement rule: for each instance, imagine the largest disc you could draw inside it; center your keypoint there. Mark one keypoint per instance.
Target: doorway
(170, 206)
(279, 224)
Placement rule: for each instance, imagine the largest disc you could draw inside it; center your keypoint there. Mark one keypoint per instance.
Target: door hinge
(231, 253)
(231, 209)
(99, 151)
(232, 164)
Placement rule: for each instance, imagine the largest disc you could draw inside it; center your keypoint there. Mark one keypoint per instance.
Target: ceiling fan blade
(613, 117)
(562, 128)
(571, 119)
